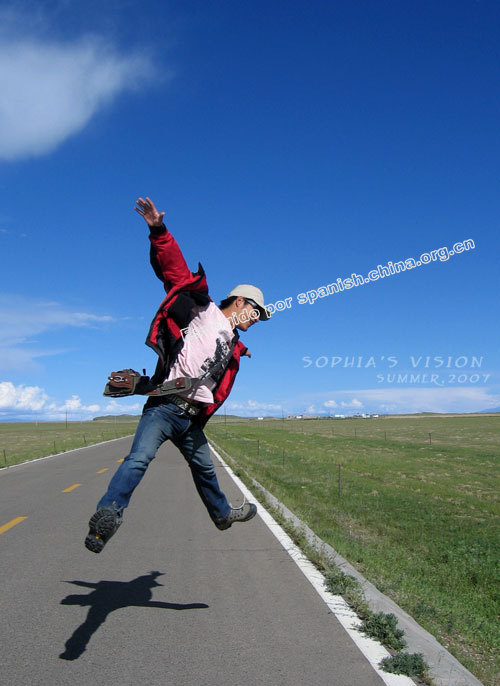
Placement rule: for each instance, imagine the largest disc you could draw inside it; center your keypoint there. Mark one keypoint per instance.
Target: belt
(185, 405)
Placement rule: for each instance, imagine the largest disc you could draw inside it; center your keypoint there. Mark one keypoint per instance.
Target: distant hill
(220, 417)
(117, 418)
(493, 409)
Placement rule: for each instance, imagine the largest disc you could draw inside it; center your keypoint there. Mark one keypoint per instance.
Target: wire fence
(458, 431)
(354, 463)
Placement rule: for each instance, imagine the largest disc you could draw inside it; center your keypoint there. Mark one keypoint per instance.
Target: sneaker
(102, 525)
(238, 514)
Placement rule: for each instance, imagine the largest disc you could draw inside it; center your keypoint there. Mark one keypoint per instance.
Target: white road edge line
(46, 457)
(373, 651)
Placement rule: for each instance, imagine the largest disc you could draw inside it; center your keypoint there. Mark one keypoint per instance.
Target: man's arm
(166, 257)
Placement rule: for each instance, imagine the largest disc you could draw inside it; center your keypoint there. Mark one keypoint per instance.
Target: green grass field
(20, 441)
(418, 517)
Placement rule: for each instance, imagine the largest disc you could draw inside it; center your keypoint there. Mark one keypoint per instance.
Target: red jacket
(184, 289)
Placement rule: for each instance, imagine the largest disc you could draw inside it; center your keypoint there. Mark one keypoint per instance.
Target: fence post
(283, 458)
(258, 447)
(4, 457)
(339, 484)
(430, 438)
(55, 449)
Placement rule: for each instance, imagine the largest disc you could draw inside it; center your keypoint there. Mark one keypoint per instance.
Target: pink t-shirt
(207, 341)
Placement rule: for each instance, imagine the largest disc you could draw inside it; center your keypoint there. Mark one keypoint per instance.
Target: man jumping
(198, 351)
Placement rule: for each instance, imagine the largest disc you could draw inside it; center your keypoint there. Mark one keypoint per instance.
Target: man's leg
(194, 446)
(157, 425)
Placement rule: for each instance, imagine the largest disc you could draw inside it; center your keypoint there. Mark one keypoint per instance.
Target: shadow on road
(108, 596)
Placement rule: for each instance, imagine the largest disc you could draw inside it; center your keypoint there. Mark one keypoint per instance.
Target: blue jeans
(157, 425)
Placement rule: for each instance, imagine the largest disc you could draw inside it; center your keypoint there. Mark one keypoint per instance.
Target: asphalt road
(170, 600)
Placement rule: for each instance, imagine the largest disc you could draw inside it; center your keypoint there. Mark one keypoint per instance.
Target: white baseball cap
(249, 292)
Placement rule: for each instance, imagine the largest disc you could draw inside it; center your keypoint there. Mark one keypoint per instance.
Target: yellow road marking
(12, 523)
(71, 488)
(101, 471)
(121, 459)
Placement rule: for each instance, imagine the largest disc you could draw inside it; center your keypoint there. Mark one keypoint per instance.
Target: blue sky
(290, 144)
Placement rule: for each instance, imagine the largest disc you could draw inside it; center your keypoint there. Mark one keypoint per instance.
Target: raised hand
(147, 209)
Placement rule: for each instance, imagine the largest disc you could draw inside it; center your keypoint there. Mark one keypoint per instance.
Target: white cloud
(116, 407)
(353, 403)
(329, 404)
(74, 404)
(252, 407)
(50, 91)
(32, 402)
(21, 359)
(252, 404)
(24, 401)
(24, 398)
(410, 399)
(453, 399)
(23, 318)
